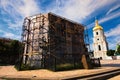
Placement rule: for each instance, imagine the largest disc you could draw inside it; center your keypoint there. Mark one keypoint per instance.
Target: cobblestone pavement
(110, 63)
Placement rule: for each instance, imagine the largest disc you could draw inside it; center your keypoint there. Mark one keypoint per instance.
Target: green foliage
(66, 66)
(10, 51)
(11, 47)
(118, 50)
(24, 67)
(4, 47)
(15, 45)
(110, 52)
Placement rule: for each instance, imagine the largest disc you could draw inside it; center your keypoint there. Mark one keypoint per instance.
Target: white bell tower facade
(100, 45)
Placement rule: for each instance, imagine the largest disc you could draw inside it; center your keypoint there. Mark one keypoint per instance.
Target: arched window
(99, 47)
(96, 33)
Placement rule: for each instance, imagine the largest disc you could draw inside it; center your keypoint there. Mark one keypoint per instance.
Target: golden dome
(97, 26)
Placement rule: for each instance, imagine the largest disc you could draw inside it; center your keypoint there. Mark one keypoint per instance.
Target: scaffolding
(34, 37)
(51, 40)
(86, 39)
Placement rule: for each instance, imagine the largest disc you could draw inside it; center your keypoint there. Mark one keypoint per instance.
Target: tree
(16, 50)
(118, 49)
(15, 46)
(110, 52)
(10, 50)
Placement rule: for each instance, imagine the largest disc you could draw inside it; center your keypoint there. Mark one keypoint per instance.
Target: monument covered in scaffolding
(51, 40)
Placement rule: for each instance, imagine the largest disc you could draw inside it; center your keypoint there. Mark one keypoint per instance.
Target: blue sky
(12, 13)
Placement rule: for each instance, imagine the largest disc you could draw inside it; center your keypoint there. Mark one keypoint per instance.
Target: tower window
(98, 39)
(96, 33)
(99, 47)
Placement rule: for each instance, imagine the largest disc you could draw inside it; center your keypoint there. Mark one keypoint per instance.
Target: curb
(93, 75)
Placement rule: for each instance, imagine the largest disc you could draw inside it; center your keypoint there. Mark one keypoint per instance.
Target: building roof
(33, 16)
(97, 26)
(66, 19)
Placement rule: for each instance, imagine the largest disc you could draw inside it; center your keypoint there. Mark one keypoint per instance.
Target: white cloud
(20, 8)
(29, 8)
(112, 9)
(111, 45)
(79, 10)
(113, 31)
(16, 11)
(113, 41)
(105, 18)
(1, 31)
(109, 17)
(10, 35)
(113, 36)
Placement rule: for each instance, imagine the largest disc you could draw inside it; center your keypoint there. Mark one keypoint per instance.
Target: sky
(107, 12)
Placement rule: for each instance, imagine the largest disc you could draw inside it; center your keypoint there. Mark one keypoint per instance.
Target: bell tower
(100, 45)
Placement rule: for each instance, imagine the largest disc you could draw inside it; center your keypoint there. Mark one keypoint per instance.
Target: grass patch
(24, 67)
(60, 67)
(68, 66)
